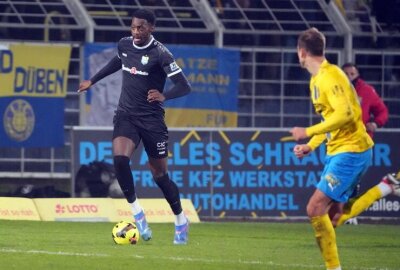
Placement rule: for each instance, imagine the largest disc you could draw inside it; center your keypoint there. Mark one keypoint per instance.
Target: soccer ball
(125, 233)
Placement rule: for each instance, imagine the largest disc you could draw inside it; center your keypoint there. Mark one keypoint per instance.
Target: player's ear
(302, 52)
(152, 27)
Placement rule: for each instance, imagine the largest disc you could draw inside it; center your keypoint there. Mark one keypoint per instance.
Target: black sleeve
(113, 66)
(181, 87)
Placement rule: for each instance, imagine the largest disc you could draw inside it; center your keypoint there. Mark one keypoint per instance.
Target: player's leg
(388, 185)
(356, 193)
(125, 139)
(317, 210)
(338, 181)
(170, 190)
(154, 133)
(122, 151)
(335, 211)
(123, 148)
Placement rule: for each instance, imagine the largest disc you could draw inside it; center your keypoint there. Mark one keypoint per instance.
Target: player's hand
(84, 85)
(298, 133)
(154, 95)
(301, 150)
(371, 126)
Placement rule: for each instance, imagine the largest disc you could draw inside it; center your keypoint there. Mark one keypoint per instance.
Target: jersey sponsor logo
(145, 60)
(161, 144)
(19, 120)
(333, 182)
(134, 71)
(173, 66)
(161, 147)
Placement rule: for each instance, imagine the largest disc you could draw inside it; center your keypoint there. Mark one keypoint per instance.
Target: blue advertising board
(240, 172)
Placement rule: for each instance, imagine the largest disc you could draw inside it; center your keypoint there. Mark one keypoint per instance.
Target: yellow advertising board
(34, 70)
(200, 118)
(71, 209)
(89, 209)
(18, 209)
(156, 210)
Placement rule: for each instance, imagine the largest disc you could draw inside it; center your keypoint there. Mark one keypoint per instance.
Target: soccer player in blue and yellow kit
(349, 147)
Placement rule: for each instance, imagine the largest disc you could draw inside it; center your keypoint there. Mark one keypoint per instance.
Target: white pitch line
(188, 259)
(61, 253)
(270, 263)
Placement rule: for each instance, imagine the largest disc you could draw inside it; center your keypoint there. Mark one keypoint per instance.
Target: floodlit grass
(80, 245)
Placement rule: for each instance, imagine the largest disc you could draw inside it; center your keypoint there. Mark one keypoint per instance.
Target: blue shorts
(342, 172)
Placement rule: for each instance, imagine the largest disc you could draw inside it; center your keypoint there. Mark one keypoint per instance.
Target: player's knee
(161, 178)
(310, 210)
(121, 162)
(314, 210)
(158, 169)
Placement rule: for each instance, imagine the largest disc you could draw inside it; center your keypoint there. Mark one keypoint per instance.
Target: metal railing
(49, 20)
(273, 89)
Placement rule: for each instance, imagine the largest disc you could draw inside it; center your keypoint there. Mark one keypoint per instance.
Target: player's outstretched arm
(301, 150)
(84, 85)
(112, 66)
(298, 133)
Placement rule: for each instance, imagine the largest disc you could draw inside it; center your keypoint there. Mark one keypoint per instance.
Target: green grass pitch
(213, 245)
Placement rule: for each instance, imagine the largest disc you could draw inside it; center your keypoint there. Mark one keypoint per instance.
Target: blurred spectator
(217, 4)
(233, 12)
(358, 14)
(4, 31)
(374, 111)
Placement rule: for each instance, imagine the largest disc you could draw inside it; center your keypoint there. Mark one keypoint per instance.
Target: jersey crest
(145, 60)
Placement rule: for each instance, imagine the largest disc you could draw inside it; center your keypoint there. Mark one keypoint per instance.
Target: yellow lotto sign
(34, 70)
(156, 210)
(18, 209)
(68, 209)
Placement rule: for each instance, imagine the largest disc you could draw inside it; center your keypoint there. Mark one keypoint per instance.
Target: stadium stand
(177, 21)
(273, 89)
(267, 21)
(46, 20)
